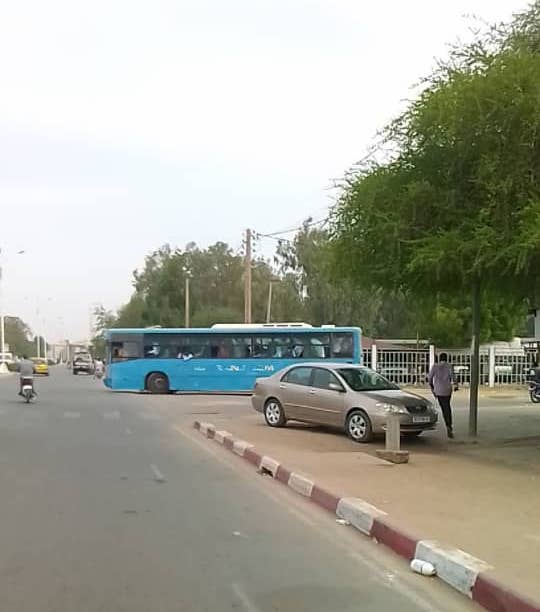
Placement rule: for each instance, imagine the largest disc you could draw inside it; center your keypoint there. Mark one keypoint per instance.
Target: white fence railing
(411, 366)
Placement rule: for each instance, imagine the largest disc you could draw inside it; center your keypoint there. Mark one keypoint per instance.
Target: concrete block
(221, 435)
(269, 465)
(240, 446)
(300, 484)
(359, 513)
(394, 456)
(455, 567)
(204, 428)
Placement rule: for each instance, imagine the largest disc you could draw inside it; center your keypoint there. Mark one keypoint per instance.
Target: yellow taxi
(40, 366)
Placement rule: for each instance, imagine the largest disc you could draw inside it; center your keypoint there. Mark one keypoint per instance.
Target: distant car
(353, 398)
(82, 362)
(40, 366)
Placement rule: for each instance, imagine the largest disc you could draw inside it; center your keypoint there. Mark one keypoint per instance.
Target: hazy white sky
(127, 124)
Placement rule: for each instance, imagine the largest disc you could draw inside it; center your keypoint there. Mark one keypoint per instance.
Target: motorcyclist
(534, 373)
(26, 370)
(98, 368)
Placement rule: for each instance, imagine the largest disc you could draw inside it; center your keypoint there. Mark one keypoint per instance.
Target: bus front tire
(157, 383)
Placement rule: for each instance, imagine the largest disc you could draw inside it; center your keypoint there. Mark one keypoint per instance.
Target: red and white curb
(460, 570)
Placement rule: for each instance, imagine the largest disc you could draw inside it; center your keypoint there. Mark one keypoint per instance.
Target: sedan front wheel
(274, 414)
(358, 426)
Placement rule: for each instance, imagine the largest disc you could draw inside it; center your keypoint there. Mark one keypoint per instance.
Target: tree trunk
(475, 359)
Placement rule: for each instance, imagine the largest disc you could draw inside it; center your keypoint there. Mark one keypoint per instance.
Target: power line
(293, 229)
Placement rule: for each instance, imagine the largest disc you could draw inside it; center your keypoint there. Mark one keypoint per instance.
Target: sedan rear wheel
(358, 426)
(274, 413)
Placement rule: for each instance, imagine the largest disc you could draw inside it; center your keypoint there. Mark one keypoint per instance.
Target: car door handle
(282, 387)
(312, 391)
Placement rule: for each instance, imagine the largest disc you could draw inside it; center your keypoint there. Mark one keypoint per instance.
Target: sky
(126, 124)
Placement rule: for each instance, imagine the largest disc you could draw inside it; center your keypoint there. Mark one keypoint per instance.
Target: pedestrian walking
(441, 379)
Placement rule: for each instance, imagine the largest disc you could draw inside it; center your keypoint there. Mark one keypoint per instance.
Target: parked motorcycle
(27, 389)
(534, 392)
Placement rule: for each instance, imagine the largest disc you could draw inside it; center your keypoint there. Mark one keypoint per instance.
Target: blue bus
(224, 358)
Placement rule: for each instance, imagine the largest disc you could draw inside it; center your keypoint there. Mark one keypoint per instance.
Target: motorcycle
(534, 392)
(27, 389)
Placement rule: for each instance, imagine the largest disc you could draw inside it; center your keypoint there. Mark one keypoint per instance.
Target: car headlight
(393, 408)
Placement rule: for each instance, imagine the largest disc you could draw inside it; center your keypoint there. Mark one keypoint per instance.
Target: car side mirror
(336, 387)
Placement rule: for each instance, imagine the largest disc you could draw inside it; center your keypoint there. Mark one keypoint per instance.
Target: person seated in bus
(152, 351)
(184, 354)
(261, 351)
(223, 351)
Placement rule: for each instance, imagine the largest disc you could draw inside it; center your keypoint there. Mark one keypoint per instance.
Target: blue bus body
(219, 360)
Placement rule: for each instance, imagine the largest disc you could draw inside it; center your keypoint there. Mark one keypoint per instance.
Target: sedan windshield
(364, 379)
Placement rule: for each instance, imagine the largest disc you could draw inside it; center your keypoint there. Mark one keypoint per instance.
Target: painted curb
(359, 513)
(458, 569)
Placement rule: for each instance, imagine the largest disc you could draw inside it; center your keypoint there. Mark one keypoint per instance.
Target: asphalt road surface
(110, 502)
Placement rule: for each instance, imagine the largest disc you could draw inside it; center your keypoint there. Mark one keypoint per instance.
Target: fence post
(373, 356)
(491, 376)
(431, 355)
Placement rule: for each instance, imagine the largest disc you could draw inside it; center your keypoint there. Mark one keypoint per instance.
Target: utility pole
(38, 346)
(247, 279)
(186, 304)
(269, 303)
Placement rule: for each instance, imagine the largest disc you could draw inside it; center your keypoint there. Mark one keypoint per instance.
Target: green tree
(328, 296)
(18, 336)
(456, 210)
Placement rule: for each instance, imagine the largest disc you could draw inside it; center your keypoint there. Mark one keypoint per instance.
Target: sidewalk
(483, 498)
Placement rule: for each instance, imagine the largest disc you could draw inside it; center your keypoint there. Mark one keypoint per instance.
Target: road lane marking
(149, 417)
(71, 415)
(158, 476)
(113, 416)
(246, 602)
(128, 431)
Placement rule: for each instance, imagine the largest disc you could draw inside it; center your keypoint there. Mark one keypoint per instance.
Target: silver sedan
(354, 398)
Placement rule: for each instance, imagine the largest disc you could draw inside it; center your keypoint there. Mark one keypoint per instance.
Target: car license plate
(421, 419)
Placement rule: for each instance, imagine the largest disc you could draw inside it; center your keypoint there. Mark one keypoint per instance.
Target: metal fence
(411, 366)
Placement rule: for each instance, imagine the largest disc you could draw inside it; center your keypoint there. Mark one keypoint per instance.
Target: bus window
(342, 345)
(241, 347)
(164, 346)
(122, 351)
(317, 346)
(274, 346)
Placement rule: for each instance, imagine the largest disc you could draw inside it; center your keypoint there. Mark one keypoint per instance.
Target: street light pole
(269, 303)
(186, 304)
(247, 278)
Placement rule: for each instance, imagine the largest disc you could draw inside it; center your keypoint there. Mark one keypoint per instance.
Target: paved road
(110, 502)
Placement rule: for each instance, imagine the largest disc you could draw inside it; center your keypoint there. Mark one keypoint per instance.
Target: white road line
(71, 415)
(113, 416)
(149, 417)
(248, 605)
(158, 476)
(128, 431)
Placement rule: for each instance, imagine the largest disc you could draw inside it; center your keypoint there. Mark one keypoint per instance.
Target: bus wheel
(157, 383)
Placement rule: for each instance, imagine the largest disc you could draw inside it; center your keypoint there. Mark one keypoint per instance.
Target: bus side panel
(126, 375)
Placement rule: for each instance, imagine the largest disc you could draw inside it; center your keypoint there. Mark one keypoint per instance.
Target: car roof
(332, 365)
